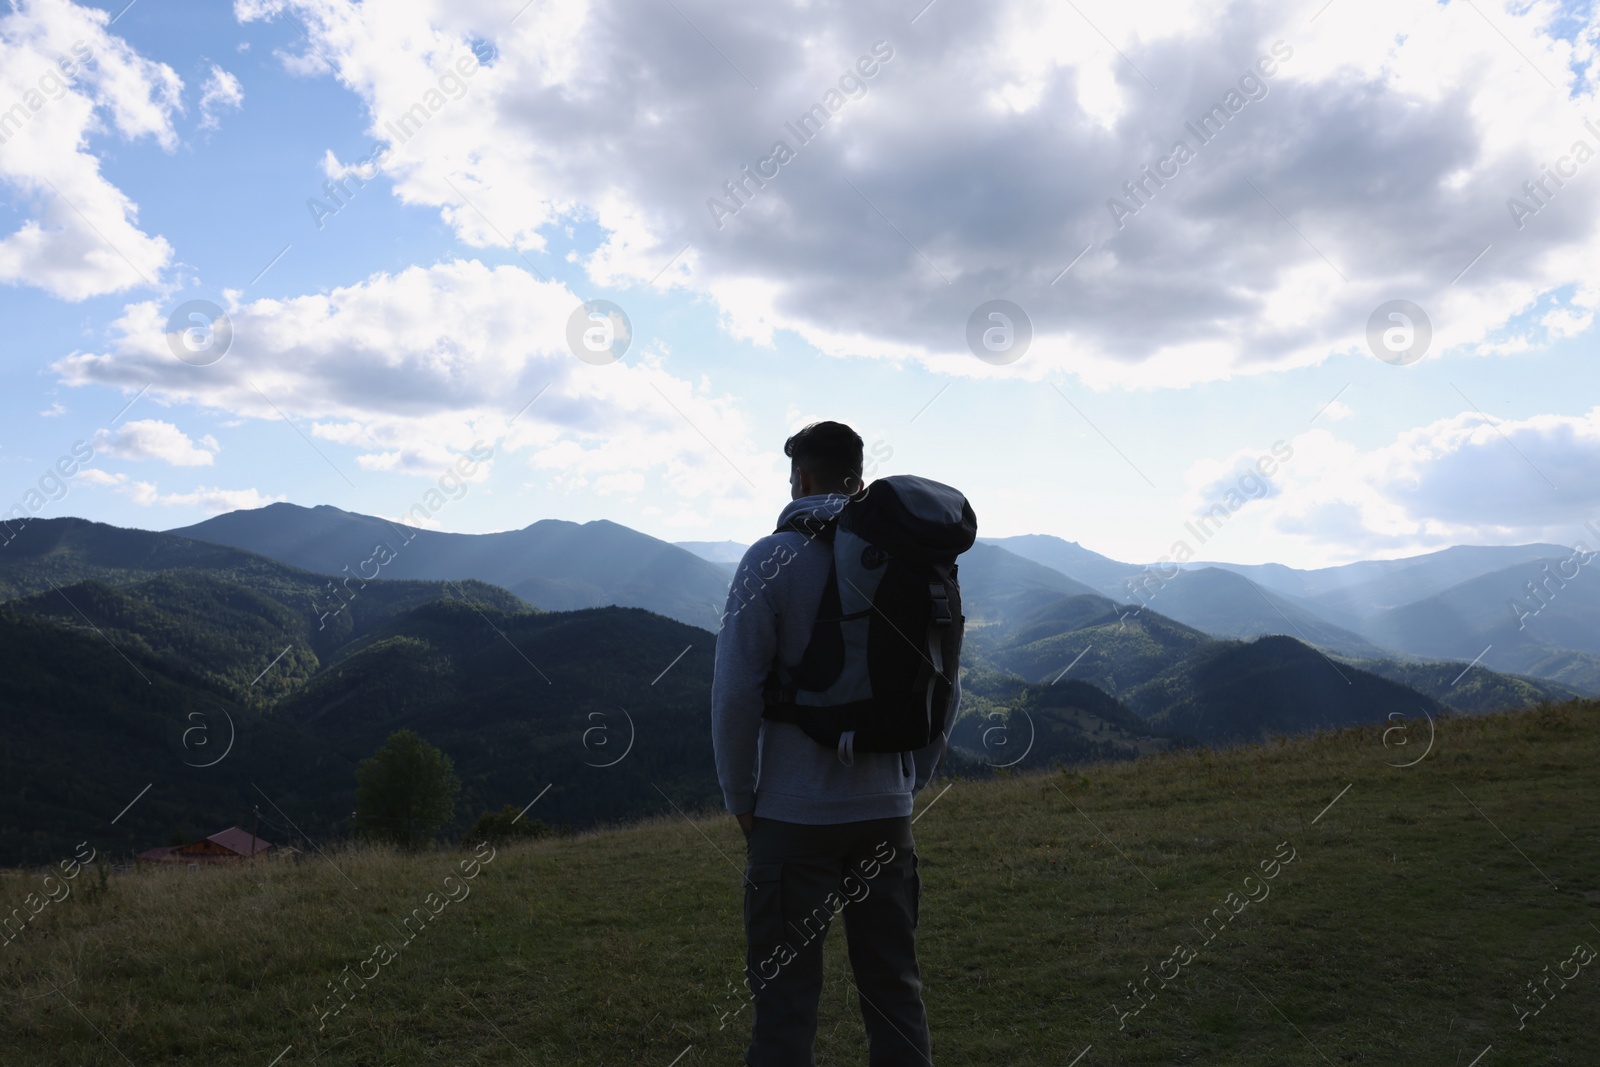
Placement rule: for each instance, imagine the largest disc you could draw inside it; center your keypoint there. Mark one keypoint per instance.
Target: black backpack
(878, 672)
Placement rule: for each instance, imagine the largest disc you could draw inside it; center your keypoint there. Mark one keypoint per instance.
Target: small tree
(406, 791)
(505, 825)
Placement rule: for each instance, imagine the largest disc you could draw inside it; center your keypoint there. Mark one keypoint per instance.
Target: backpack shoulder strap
(782, 684)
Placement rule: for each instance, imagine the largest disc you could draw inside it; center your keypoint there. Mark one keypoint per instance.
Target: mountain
(1476, 690)
(1237, 692)
(1433, 605)
(221, 613)
(1070, 722)
(999, 588)
(126, 662)
(1218, 599)
(1115, 649)
(1226, 604)
(582, 701)
(553, 564)
(1541, 617)
(727, 553)
(88, 729)
(249, 643)
(1119, 649)
(1105, 574)
(1355, 590)
(601, 705)
(58, 552)
(127, 652)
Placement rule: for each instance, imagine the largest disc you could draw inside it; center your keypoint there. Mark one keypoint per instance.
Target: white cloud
(411, 369)
(983, 156)
(211, 500)
(1471, 470)
(64, 78)
(216, 501)
(1458, 480)
(155, 439)
(1248, 475)
(1337, 411)
(55, 410)
(222, 91)
(96, 476)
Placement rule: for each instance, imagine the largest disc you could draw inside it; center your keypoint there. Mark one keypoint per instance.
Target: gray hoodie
(773, 768)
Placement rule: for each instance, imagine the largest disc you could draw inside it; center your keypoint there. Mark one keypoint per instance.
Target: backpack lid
(912, 515)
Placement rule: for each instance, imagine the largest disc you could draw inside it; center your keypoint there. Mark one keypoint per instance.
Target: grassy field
(1418, 904)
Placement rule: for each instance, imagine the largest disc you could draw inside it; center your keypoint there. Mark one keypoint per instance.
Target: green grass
(1400, 934)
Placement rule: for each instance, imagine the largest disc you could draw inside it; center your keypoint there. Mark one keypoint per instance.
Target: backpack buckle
(941, 604)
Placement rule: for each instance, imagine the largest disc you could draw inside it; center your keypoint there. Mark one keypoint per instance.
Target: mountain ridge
(554, 564)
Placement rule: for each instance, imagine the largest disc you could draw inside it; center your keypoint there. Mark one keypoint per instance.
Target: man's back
(772, 604)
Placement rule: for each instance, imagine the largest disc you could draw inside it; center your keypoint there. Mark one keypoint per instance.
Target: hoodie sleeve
(926, 760)
(747, 644)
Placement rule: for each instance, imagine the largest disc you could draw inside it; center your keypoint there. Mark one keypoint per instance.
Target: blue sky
(1229, 312)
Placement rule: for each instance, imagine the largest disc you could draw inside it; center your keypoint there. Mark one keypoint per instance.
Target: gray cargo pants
(798, 875)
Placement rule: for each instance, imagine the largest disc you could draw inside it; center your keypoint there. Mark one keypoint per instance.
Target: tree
(504, 825)
(405, 791)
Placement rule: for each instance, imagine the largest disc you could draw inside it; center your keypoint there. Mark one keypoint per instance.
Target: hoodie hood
(821, 506)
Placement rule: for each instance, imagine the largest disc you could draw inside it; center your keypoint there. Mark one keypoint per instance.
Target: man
(824, 829)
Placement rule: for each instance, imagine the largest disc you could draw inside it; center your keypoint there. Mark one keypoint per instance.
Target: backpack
(885, 648)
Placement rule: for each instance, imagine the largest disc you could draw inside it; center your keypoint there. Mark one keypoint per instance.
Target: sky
(1098, 265)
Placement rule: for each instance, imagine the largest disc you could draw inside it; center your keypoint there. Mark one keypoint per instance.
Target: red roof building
(231, 844)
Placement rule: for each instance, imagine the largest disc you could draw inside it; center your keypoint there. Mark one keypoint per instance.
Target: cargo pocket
(914, 885)
(763, 904)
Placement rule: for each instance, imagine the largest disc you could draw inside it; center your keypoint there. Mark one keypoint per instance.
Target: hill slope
(580, 701)
(999, 588)
(1106, 575)
(1115, 649)
(1551, 632)
(1392, 924)
(63, 551)
(86, 728)
(1274, 685)
(1225, 604)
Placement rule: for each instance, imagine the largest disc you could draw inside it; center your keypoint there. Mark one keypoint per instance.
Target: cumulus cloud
(155, 439)
(63, 78)
(221, 92)
(1466, 479)
(212, 500)
(216, 501)
(1247, 475)
(1336, 411)
(411, 369)
(1474, 469)
(1375, 161)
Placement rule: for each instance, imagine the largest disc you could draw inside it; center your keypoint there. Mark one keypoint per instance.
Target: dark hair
(830, 452)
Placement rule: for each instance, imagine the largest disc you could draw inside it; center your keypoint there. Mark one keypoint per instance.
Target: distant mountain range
(552, 564)
(294, 640)
(724, 554)
(1457, 604)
